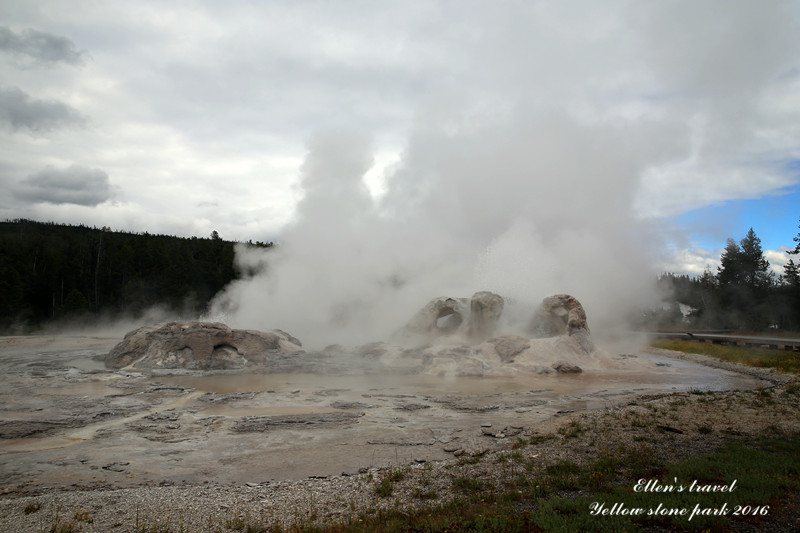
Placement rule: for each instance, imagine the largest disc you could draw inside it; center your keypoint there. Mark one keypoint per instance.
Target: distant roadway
(776, 343)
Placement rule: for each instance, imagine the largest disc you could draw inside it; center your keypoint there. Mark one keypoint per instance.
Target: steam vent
(448, 336)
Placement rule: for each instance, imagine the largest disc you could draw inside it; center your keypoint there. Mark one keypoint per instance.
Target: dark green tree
(790, 270)
(708, 314)
(796, 246)
(743, 264)
(743, 293)
(75, 302)
(791, 276)
(744, 281)
(789, 293)
(55, 271)
(730, 269)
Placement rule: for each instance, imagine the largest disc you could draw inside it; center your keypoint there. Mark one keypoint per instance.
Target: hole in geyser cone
(226, 357)
(449, 320)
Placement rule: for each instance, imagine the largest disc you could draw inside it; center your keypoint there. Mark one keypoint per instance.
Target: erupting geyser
(448, 336)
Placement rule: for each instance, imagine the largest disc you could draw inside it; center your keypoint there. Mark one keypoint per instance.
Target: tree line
(743, 293)
(52, 271)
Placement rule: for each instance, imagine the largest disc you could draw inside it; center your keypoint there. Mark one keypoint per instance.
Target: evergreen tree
(744, 280)
(730, 270)
(791, 276)
(744, 264)
(708, 313)
(796, 246)
(50, 271)
(790, 292)
(755, 266)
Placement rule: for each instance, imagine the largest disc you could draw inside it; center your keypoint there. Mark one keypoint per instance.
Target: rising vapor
(526, 208)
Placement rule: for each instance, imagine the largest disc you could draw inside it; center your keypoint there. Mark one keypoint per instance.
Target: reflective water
(675, 375)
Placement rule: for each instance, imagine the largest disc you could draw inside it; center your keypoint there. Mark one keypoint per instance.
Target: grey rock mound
(562, 314)
(199, 346)
(473, 320)
(441, 316)
(484, 311)
(509, 346)
(565, 367)
(469, 337)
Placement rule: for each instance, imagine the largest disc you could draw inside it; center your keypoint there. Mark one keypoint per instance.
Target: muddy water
(65, 420)
(275, 410)
(672, 375)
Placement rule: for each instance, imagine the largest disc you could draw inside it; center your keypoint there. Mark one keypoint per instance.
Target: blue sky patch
(774, 218)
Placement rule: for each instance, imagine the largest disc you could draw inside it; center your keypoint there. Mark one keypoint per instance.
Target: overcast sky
(191, 116)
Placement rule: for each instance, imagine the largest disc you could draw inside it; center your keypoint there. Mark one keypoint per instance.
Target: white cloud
(695, 260)
(692, 261)
(777, 259)
(251, 83)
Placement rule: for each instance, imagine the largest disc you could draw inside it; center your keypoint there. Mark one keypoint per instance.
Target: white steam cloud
(526, 207)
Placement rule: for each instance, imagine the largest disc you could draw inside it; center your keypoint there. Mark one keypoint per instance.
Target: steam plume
(524, 207)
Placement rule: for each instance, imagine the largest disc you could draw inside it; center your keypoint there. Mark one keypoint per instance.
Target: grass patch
(154, 528)
(473, 459)
(384, 488)
(32, 507)
(65, 527)
(572, 429)
(420, 494)
(539, 439)
(563, 467)
(639, 423)
(469, 484)
(251, 527)
(565, 475)
(237, 523)
(514, 456)
(764, 470)
(520, 443)
(385, 485)
(784, 361)
(82, 515)
(396, 475)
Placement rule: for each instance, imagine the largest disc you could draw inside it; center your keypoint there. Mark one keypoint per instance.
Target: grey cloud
(40, 46)
(748, 43)
(73, 185)
(20, 110)
(610, 98)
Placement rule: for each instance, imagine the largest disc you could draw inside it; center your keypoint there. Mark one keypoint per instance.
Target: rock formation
(441, 316)
(485, 309)
(449, 336)
(561, 314)
(565, 367)
(473, 320)
(509, 346)
(199, 346)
